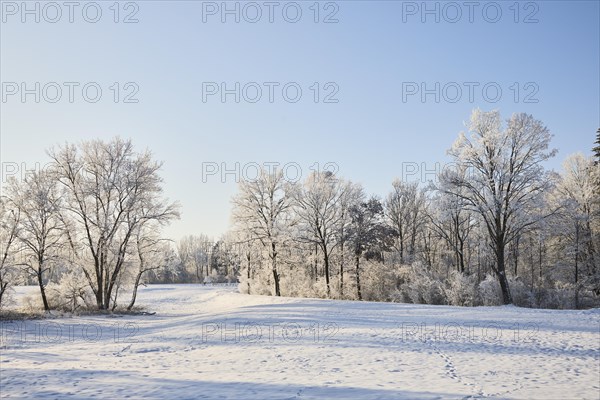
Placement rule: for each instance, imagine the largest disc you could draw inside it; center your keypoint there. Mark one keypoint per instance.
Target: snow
(204, 342)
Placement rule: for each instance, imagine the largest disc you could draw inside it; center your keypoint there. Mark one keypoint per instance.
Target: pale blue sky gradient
(369, 53)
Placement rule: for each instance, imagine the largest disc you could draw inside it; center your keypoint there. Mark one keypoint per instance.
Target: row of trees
(90, 223)
(495, 228)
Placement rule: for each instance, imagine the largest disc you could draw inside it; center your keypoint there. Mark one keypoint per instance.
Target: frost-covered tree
(318, 206)
(41, 228)
(110, 190)
(369, 234)
(9, 225)
(153, 253)
(405, 210)
(453, 224)
(353, 195)
(262, 207)
(596, 148)
(596, 179)
(248, 251)
(506, 178)
(576, 188)
(225, 260)
(194, 252)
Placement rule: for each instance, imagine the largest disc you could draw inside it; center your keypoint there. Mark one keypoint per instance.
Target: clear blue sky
(373, 48)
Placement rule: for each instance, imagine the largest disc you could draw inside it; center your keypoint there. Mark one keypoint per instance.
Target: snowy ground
(210, 342)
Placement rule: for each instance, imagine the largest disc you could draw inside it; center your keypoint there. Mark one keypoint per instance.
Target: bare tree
(453, 223)
(153, 253)
(194, 252)
(41, 230)
(262, 208)
(576, 189)
(506, 178)
(319, 209)
(405, 210)
(9, 225)
(353, 195)
(110, 190)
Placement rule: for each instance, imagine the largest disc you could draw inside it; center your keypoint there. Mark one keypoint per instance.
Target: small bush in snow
(489, 291)
(423, 287)
(71, 294)
(461, 290)
(521, 293)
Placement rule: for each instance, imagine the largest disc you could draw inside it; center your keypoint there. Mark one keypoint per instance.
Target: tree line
(494, 228)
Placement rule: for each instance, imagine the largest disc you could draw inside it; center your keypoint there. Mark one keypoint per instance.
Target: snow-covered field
(210, 342)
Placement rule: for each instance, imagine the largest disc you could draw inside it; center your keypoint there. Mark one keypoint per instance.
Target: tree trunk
(274, 267)
(248, 271)
(576, 265)
(326, 262)
(478, 264)
(516, 255)
(135, 289)
(99, 301)
(461, 255)
(3, 286)
(342, 270)
(540, 259)
(358, 277)
(99, 282)
(531, 263)
(501, 273)
(316, 269)
(42, 288)
(401, 240)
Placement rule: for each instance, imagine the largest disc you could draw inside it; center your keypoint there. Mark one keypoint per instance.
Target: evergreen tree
(596, 149)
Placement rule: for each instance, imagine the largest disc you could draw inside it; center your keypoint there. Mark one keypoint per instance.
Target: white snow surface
(208, 342)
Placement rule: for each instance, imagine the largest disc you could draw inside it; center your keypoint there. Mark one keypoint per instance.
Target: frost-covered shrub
(546, 295)
(317, 289)
(32, 303)
(558, 295)
(244, 283)
(490, 292)
(400, 293)
(8, 298)
(588, 299)
(296, 283)
(521, 294)
(259, 283)
(377, 281)
(215, 277)
(71, 294)
(461, 290)
(423, 286)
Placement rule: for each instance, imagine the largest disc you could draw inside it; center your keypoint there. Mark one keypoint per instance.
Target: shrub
(489, 290)
(71, 294)
(461, 290)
